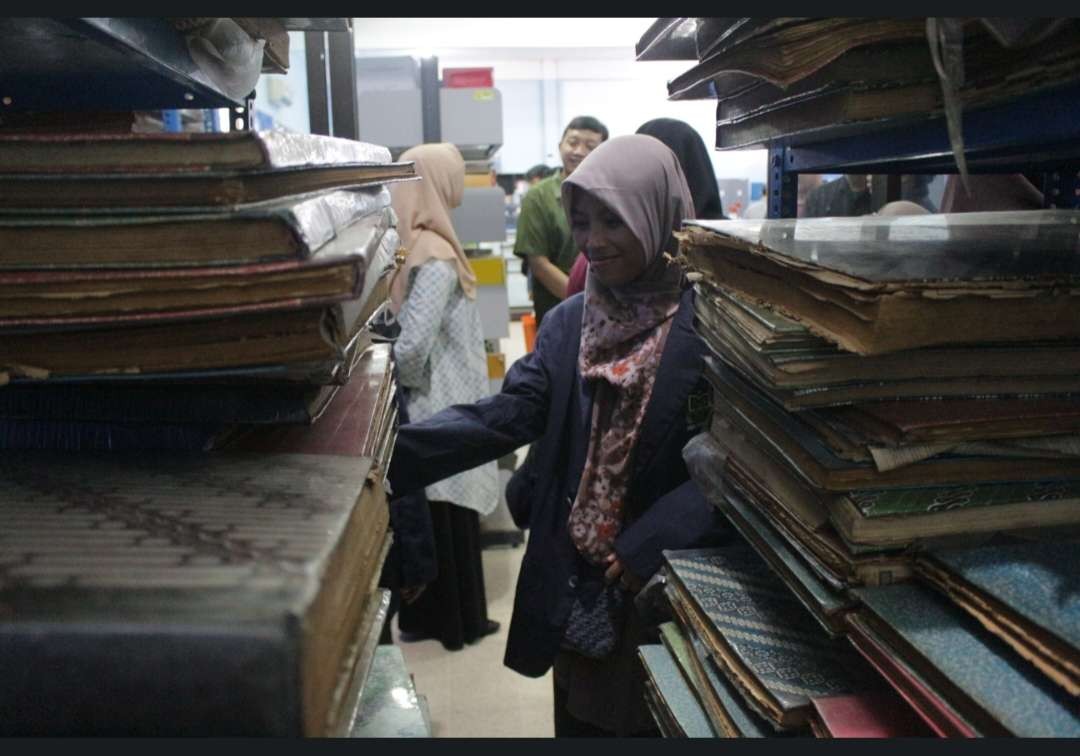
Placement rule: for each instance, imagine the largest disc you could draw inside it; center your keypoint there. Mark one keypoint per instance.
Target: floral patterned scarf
(624, 330)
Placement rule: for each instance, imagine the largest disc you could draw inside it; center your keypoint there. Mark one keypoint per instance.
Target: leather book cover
(1022, 592)
(877, 714)
(358, 421)
(170, 594)
(765, 640)
(180, 152)
(292, 228)
(980, 675)
(57, 299)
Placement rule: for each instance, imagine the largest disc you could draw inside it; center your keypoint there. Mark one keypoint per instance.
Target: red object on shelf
(468, 77)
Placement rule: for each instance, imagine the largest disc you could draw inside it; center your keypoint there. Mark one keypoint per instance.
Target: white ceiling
(591, 37)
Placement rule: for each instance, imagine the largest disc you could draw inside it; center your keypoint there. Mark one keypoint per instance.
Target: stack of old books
(791, 77)
(897, 399)
(166, 296)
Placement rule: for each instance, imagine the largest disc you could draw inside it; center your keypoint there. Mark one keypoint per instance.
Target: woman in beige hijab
(441, 361)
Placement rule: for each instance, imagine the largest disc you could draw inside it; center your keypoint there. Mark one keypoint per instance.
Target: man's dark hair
(588, 123)
(538, 171)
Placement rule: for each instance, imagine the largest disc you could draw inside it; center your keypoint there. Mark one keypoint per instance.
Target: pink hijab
(624, 330)
(423, 211)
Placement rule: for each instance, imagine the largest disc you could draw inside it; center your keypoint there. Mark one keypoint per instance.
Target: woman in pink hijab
(440, 361)
(608, 398)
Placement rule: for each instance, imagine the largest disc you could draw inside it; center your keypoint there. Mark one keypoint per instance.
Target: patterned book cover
(824, 604)
(673, 693)
(977, 672)
(741, 717)
(1026, 593)
(759, 631)
(901, 502)
(167, 593)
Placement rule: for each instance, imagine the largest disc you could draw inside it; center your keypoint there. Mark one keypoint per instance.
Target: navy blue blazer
(544, 402)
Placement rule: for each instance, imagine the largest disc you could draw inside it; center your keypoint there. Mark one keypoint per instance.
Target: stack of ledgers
(895, 437)
(791, 77)
(197, 420)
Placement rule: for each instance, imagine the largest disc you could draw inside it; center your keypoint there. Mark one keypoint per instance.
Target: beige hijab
(423, 211)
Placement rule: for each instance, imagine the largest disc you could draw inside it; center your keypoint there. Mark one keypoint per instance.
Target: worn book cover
(292, 228)
(764, 639)
(180, 152)
(877, 714)
(160, 594)
(360, 421)
(940, 716)
(980, 675)
(676, 703)
(1022, 592)
(311, 345)
(799, 444)
(728, 711)
(878, 284)
(897, 517)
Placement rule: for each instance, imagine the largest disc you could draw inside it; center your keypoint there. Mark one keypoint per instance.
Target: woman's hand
(615, 571)
(411, 593)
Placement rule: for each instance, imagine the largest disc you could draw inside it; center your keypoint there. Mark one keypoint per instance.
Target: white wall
(552, 69)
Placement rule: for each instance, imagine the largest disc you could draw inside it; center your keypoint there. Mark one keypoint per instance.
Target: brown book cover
(182, 594)
(877, 284)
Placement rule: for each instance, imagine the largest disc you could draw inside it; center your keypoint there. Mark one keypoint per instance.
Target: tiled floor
(470, 693)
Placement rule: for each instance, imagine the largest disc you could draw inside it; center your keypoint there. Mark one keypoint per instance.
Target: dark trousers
(566, 726)
(453, 608)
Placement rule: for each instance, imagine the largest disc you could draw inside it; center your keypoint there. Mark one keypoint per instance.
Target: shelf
(101, 64)
(317, 24)
(1037, 132)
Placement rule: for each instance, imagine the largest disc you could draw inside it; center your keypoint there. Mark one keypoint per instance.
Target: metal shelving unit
(1039, 132)
(80, 64)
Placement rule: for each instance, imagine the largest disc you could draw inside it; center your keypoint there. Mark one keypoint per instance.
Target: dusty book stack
(197, 420)
(794, 78)
(894, 438)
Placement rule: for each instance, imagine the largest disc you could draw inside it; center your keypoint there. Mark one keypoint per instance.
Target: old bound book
(799, 370)
(1022, 593)
(294, 228)
(796, 513)
(877, 284)
(801, 445)
(878, 714)
(184, 152)
(55, 299)
(676, 710)
(912, 422)
(310, 344)
(894, 518)
(728, 712)
(160, 594)
(976, 673)
(153, 172)
(820, 106)
(785, 53)
(360, 420)
(786, 659)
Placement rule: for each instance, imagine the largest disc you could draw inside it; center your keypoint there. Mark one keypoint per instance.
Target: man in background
(543, 235)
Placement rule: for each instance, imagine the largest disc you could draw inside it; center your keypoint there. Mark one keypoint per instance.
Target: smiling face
(576, 144)
(615, 255)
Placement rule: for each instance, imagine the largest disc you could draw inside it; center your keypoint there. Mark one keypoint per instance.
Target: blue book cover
(978, 673)
(764, 639)
(673, 692)
(1027, 593)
